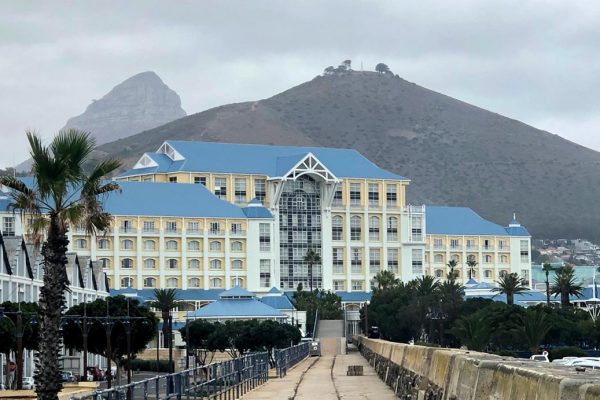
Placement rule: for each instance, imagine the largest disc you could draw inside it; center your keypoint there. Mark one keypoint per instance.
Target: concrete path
(313, 379)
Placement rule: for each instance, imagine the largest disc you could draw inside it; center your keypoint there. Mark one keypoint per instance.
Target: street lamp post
(367, 318)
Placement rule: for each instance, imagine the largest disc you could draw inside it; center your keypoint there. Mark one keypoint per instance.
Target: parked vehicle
(586, 363)
(540, 357)
(67, 376)
(315, 349)
(28, 383)
(564, 360)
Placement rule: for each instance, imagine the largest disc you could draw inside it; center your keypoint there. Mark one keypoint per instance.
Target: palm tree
(471, 263)
(565, 285)
(311, 257)
(534, 327)
(62, 194)
(473, 331)
(511, 284)
(451, 265)
(166, 300)
(547, 267)
(385, 280)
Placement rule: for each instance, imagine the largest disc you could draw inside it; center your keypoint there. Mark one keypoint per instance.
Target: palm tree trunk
(547, 293)
(310, 276)
(564, 299)
(165, 329)
(509, 298)
(51, 306)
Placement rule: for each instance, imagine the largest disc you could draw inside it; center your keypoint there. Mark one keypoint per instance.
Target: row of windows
(356, 260)
(488, 273)
(337, 228)
(151, 282)
(487, 244)
(126, 226)
(487, 259)
(373, 195)
(192, 245)
(239, 187)
(172, 263)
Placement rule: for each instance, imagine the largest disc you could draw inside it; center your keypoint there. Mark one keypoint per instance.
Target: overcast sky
(536, 61)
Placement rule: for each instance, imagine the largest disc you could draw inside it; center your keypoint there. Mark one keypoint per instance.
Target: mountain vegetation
(453, 152)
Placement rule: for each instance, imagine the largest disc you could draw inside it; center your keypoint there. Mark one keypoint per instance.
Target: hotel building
(199, 215)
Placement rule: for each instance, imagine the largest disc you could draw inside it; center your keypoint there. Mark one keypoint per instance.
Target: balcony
(456, 248)
(194, 232)
(415, 209)
(172, 231)
(487, 248)
(216, 232)
(472, 248)
(150, 231)
(237, 232)
(439, 247)
(503, 248)
(127, 230)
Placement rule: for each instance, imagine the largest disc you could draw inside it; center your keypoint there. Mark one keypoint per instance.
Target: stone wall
(428, 373)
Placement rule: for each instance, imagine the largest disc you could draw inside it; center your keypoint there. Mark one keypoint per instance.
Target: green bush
(562, 352)
(148, 365)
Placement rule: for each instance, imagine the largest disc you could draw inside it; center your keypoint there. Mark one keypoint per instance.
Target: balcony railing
(456, 247)
(173, 231)
(439, 247)
(194, 232)
(216, 232)
(472, 248)
(237, 232)
(124, 229)
(503, 248)
(488, 248)
(150, 231)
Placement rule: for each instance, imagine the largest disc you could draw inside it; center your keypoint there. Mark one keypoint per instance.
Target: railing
(229, 379)
(124, 229)
(237, 233)
(315, 324)
(287, 358)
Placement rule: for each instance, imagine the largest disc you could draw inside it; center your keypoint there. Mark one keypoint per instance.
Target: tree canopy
(119, 307)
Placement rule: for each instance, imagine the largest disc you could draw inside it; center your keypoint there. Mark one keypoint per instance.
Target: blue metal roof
(237, 308)
(5, 203)
(263, 160)
(279, 302)
(358, 297)
(236, 291)
(464, 221)
(257, 212)
(171, 200)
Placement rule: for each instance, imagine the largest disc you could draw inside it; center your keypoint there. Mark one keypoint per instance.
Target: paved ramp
(330, 333)
(324, 378)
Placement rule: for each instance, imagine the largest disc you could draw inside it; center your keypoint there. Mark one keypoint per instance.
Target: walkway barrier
(288, 357)
(229, 379)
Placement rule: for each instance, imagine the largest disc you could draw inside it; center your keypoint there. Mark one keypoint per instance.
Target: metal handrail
(290, 356)
(226, 379)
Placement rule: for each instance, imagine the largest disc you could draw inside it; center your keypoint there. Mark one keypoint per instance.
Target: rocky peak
(137, 104)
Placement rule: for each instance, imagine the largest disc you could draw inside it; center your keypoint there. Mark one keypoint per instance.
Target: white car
(564, 360)
(588, 362)
(28, 383)
(540, 357)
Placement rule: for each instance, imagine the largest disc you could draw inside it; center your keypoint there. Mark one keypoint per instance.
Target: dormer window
(170, 152)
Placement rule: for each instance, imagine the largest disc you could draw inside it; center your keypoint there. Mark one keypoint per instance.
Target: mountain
(455, 153)
(139, 103)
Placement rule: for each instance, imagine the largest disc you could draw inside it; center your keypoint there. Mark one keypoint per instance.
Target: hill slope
(455, 153)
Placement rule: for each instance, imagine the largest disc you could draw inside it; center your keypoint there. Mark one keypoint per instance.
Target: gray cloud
(536, 61)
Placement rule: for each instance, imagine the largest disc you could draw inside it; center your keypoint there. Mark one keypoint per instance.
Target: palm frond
(72, 148)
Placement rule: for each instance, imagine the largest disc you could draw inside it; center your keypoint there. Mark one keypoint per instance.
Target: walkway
(313, 379)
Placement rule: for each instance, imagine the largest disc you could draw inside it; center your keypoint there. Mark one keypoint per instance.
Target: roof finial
(515, 216)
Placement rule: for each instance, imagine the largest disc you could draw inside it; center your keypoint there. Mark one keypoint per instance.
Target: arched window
(215, 245)
(439, 273)
(126, 244)
(355, 228)
(103, 244)
(126, 263)
(215, 283)
(172, 282)
(215, 264)
(149, 245)
(194, 245)
(487, 273)
(237, 282)
(149, 263)
(150, 282)
(438, 259)
(374, 228)
(504, 259)
(109, 282)
(171, 245)
(503, 273)
(126, 282)
(470, 257)
(488, 259)
(236, 246)
(193, 263)
(455, 257)
(337, 230)
(392, 228)
(104, 262)
(237, 264)
(81, 244)
(194, 283)
(172, 263)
